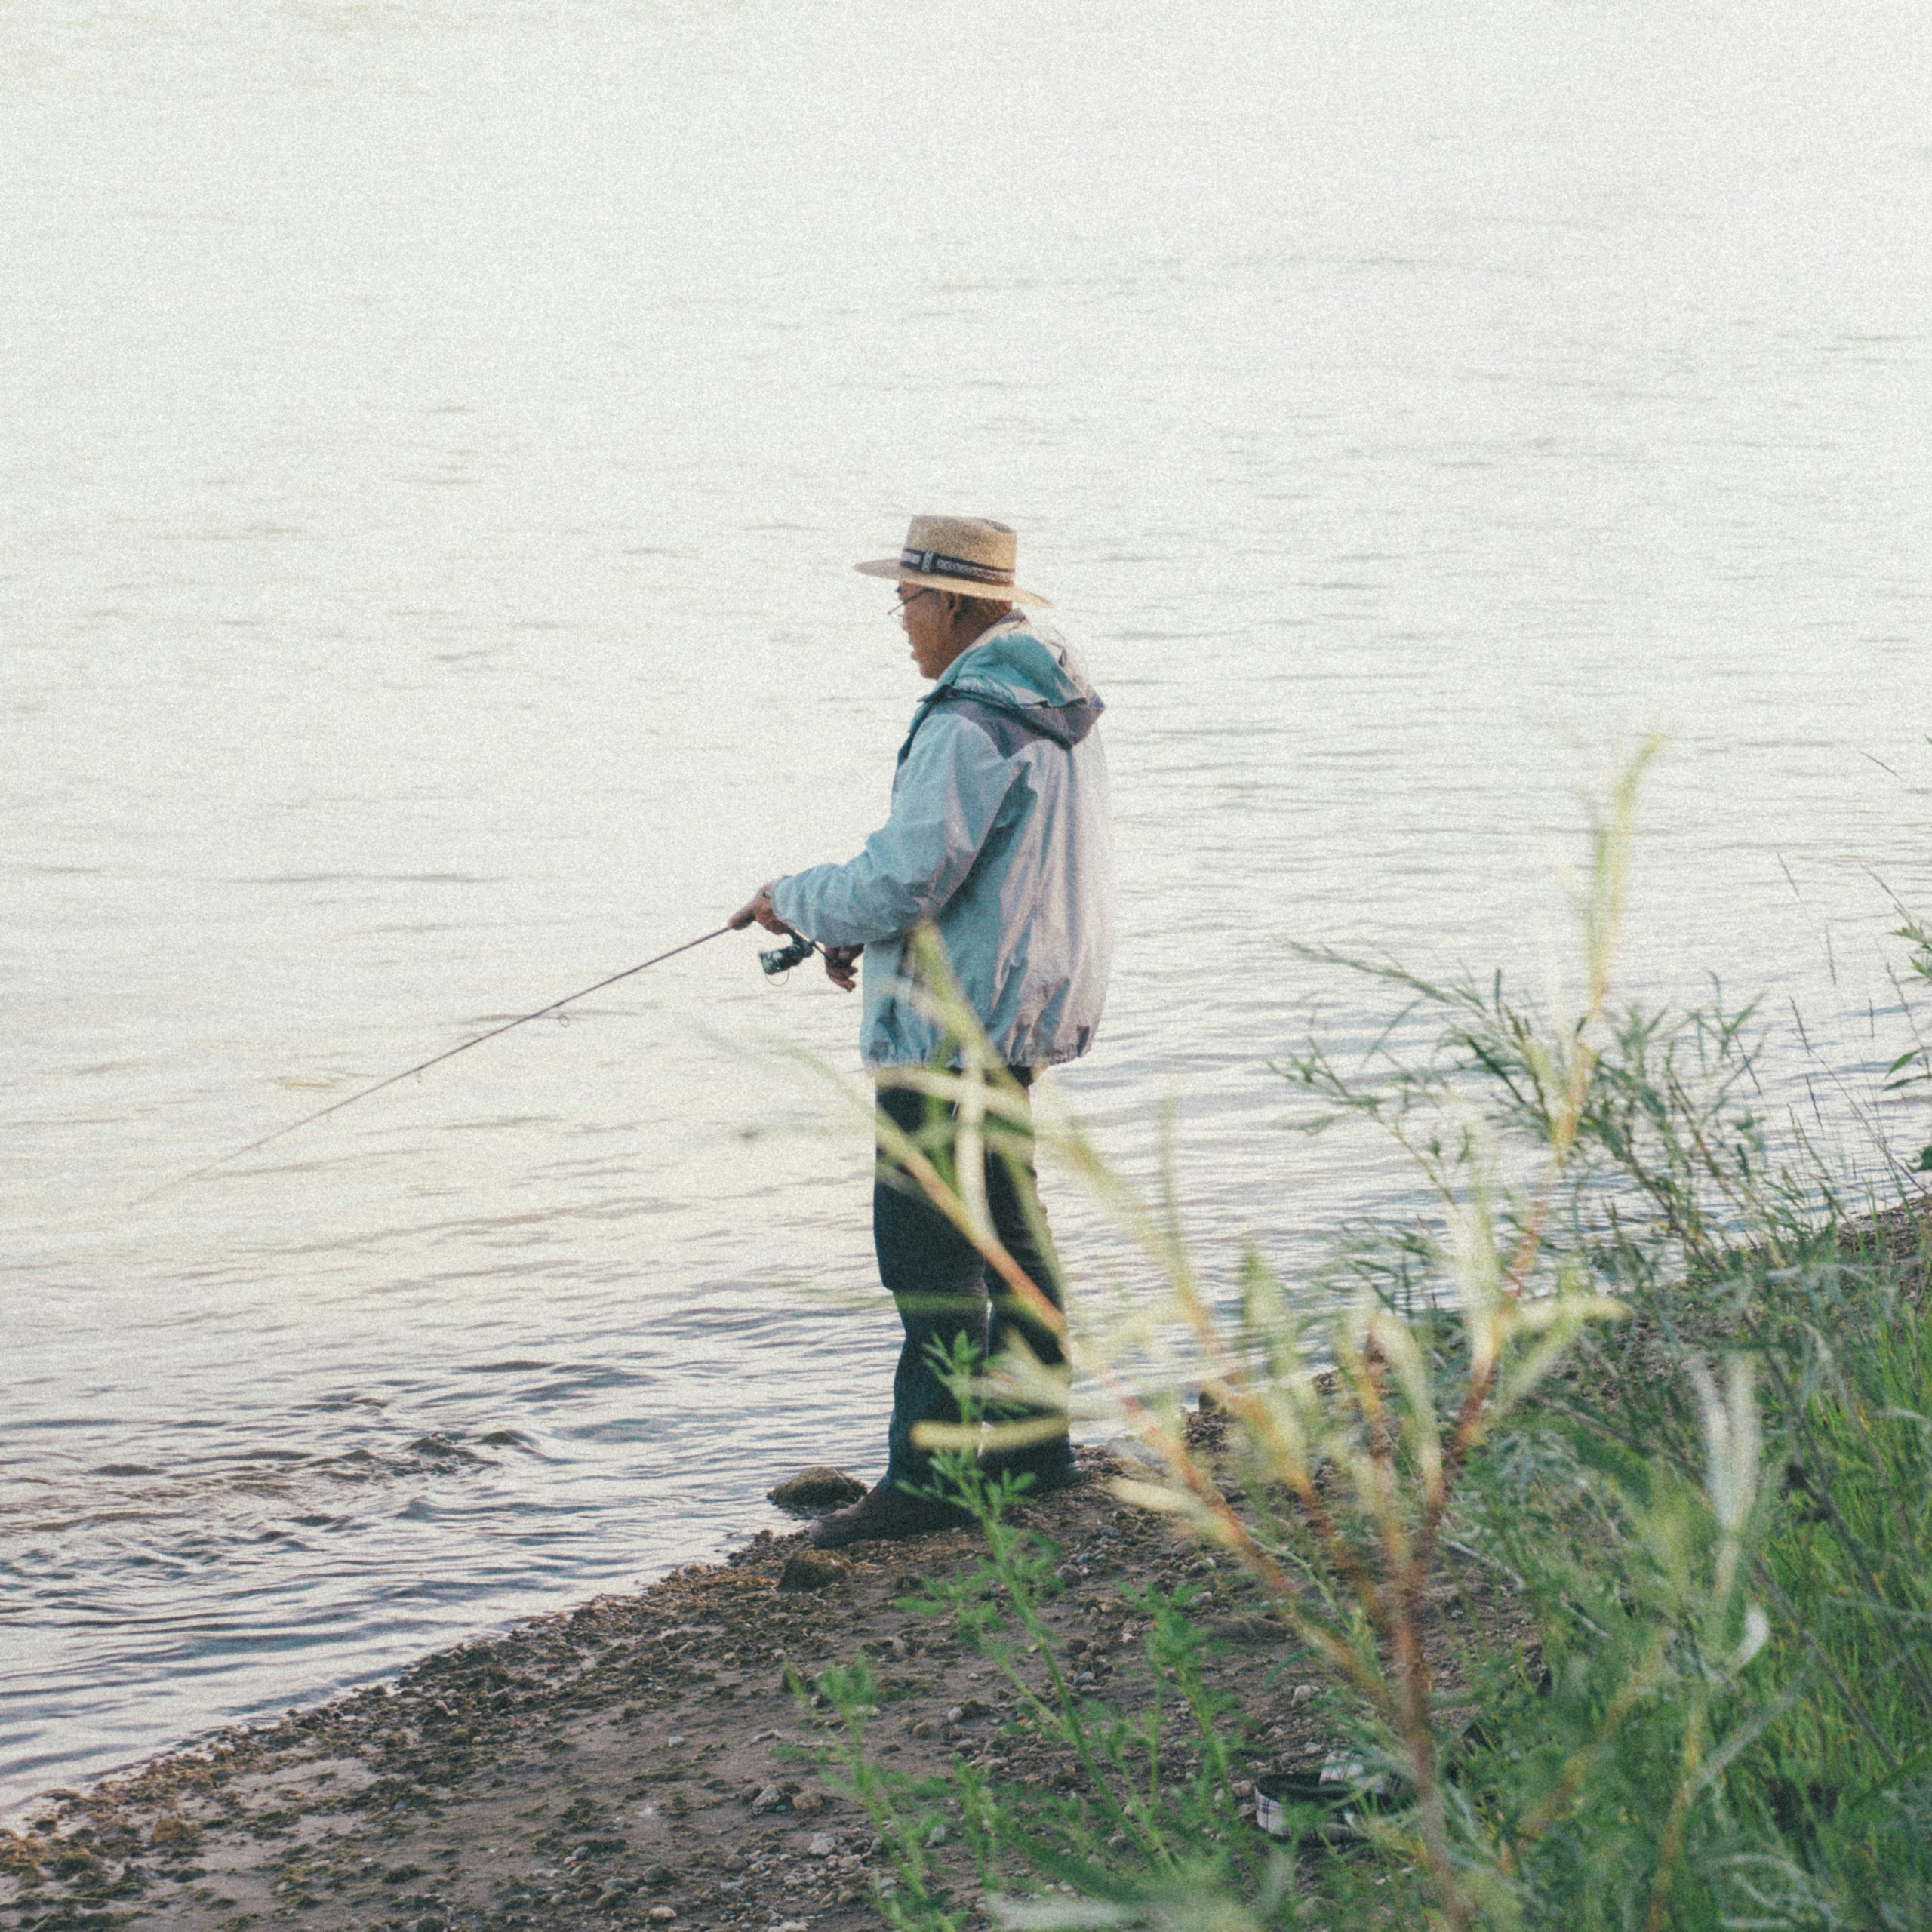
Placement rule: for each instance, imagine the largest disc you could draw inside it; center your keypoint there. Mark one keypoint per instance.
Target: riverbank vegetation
(1652, 1373)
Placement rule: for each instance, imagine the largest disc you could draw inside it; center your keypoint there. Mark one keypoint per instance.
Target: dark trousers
(943, 1288)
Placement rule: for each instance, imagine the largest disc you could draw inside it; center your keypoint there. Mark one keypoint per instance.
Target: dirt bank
(632, 1763)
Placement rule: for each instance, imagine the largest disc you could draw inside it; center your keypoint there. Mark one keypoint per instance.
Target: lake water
(437, 438)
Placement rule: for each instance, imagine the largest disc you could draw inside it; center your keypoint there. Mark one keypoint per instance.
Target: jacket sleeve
(944, 805)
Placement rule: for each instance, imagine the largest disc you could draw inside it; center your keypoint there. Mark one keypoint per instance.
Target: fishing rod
(780, 959)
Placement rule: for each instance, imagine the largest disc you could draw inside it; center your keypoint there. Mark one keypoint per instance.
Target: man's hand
(839, 962)
(758, 907)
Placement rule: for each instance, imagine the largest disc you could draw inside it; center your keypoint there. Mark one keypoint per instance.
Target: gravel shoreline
(638, 1761)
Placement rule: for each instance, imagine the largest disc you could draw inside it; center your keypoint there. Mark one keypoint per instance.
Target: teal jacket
(999, 837)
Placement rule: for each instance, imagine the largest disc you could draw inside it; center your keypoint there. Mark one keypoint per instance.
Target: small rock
(808, 1803)
(1243, 1629)
(749, 1794)
(1306, 1693)
(769, 1799)
(823, 1845)
(658, 1877)
(672, 1743)
(661, 1914)
(937, 1836)
(809, 1569)
(816, 1489)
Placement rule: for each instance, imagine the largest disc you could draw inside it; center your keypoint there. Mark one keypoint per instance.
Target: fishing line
(437, 1059)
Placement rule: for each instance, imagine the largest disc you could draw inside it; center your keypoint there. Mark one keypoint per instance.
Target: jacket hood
(1026, 666)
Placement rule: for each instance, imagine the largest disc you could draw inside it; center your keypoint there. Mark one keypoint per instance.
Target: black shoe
(883, 1515)
(1049, 1464)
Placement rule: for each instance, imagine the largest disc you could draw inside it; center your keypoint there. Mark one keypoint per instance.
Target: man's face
(928, 621)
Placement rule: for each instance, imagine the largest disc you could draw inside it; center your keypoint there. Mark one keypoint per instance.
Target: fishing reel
(782, 958)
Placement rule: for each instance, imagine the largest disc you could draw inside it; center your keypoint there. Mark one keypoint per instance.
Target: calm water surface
(436, 438)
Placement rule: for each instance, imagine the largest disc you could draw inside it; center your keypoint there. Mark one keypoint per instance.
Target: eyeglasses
(905, 604)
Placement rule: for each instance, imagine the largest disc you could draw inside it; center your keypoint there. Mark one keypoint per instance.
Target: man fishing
(999, 839)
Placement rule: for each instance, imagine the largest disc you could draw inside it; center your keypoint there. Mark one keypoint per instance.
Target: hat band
(930, 563)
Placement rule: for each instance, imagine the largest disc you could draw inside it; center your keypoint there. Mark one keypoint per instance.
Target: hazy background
(436, 438)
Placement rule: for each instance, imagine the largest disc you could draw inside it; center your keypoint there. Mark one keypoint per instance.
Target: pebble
(1244, 1629)
(661, 1914)
(818, 1487)
(809, 1569)
(822, 1845)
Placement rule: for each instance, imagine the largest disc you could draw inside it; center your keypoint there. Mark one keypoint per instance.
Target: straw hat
(971, 554)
